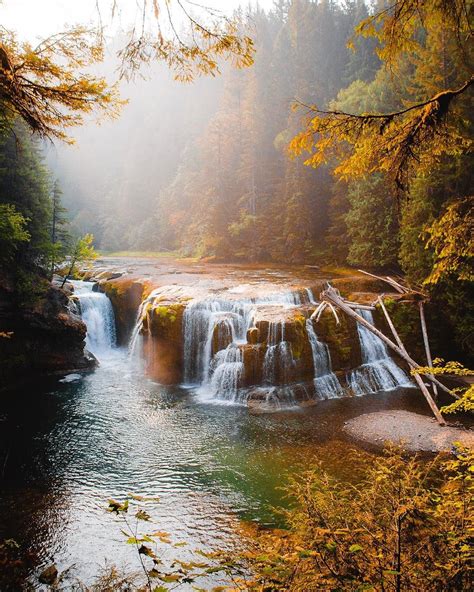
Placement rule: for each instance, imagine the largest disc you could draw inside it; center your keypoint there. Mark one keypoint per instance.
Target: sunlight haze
(34, 19)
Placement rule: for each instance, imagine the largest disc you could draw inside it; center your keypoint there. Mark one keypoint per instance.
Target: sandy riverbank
(416, 433)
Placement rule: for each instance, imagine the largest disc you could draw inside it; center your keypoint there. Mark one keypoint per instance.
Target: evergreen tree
(59, 228)
(24, 184)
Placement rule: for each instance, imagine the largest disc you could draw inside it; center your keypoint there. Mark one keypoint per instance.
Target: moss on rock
(164, 341)
(126, 295)
(342, 340)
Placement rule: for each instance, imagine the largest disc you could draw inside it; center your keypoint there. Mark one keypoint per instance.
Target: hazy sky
(40, 18)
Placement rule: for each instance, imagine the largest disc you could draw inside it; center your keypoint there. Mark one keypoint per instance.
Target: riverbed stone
(49, 575)
(412, 431)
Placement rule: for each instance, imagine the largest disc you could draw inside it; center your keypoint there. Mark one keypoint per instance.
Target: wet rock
(270, 399)
(222, 334)
(114, 275)
(126, 296)
(163, 341)
(253, 336)
(44, 336)
(253, 356)
(342, 340)
(49, 575)
(287, 324)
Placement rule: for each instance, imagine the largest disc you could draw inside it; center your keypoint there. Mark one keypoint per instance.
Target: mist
(202, 167)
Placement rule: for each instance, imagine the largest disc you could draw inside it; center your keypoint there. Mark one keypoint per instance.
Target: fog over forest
(220, 143)
(132, 159)
(236, 295)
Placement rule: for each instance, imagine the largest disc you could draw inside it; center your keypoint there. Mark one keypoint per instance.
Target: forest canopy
(216, 169)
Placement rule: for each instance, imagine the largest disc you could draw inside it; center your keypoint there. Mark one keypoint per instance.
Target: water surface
(67, 447)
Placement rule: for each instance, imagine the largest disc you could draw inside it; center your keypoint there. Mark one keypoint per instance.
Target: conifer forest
(236, 295)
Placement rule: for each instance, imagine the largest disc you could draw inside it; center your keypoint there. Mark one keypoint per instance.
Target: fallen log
(424, 331)
(417, 377)
(338, 301)
(387, 280)
(357, 305)
(331, 295)
(394, 284)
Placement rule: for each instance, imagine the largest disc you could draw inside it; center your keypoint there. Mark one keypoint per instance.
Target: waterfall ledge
(246, 343)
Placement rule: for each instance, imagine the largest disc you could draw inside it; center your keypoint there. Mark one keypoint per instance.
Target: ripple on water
(114, 432)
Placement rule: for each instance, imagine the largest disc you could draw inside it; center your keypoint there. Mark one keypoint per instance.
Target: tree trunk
(69, 272)
(331, 295)
(421, 306)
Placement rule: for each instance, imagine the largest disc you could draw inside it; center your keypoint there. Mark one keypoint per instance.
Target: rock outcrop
(40, 338)
(241, 340)
(163, 341)
(126, 296)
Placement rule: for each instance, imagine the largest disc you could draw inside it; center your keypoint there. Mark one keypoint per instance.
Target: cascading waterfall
(378, 372)
(209, 326)
(228, 367)
(278, 359)
(326, 384)
(215, 342)
(213, 330)
(310, 295)
(97, 313)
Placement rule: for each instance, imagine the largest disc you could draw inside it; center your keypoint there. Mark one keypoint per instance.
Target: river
(67, 445)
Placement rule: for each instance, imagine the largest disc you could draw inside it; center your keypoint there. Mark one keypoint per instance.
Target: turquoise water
(67, 447)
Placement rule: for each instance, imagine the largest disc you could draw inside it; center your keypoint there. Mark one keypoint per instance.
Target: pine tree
(59, 227)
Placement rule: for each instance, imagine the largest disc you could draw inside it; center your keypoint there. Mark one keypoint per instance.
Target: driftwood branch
(330, 295)
(359, 306)
(400, 288)
(418, 379)
(405, 290)
(426, 342)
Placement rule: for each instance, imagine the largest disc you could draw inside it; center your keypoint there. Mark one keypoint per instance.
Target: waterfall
(326, 384)
(378, 372)
(209, 326)
(213, 330)
(278, 360)
(310, 295)
(98, 315)
(228, 367)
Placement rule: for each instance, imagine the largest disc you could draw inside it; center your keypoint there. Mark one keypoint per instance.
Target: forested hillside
(208, 169)
(221, 146)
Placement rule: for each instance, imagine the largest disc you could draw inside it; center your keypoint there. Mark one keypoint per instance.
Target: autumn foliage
(407, 525)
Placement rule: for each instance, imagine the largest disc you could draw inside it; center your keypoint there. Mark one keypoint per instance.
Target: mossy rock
(163, 342)
(293, 331)
(166, 321)
(126, 295)
(342, 340)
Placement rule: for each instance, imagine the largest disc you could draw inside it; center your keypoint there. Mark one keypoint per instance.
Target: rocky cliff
(41, 337)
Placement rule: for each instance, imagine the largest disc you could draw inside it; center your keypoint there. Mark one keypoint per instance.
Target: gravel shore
(416, 433)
